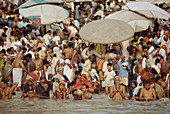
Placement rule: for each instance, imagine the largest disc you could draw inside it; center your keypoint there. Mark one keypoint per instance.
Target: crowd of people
(39, 60)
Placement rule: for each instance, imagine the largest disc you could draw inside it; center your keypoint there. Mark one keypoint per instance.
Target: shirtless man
(31, 66)
(118, 47)
(38, 62)
(18, 68)
(147, 93)
(75, 59)
(5, 91)
(166, 66)
(31, 96)
(118, 93)
(68, 52)
(86, 94)
(138, 48)
(138, 67)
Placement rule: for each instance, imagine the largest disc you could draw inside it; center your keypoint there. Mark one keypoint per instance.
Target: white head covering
(43, 48)
(67, 61)
(61, 60)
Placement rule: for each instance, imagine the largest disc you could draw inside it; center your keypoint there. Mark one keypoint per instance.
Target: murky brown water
(99, 104)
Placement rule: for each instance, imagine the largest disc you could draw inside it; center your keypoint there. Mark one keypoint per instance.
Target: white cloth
(109, 75)
(73, 30)
(54, 62)
(22, 24)
(47, 39)
(56, 39)
(17, 75)
(93, 73)
(68, 72)
(163, 53)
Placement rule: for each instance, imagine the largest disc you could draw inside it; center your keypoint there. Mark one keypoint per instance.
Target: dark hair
(156, 46)
(5, 82)
(49, 31)
(29, 56)
(92, 46)
(69, 44)
(109, 64)
(163, 74)
(71, 24)
(85, 85)
(147, 82)
(77, 72)
(149, 43)
(144, 47)
(157, 78)
(72, 38)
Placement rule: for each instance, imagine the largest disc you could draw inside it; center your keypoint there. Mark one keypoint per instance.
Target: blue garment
(72, 44)
(122, 72)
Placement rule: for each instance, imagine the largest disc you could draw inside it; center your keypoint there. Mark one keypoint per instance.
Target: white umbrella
(148, 9)
(48, 13)
(77, 0)
(155, 1)
(138, 22)
(35, 2)
(106, 31)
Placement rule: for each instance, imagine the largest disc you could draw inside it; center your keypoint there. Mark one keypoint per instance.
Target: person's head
(147, 85)
(139, 58)
(109, 59)
(158, 80)
(36, 55)
(91, 58)
(61, 85)
(163, 76)
(3, 84)
(133, 84)
(42, 79)
(149, 44)
(117, 80)
(122, 58)
(83, 77)
(69, 45)
(92, 46)
(29, 56)
(157, 47)
(145, 49)
(85, 88)
(30, 93)
(148, 67)
(49, 32)
(166, 38)
(30, 82)
(109, 66)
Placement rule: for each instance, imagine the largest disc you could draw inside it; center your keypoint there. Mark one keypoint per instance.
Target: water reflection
(99, 104)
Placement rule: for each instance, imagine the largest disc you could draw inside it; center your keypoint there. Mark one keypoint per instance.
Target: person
(18, 68)
(31, 66)
(61, 92)
(43, 88)
(38, 62)
(68, 52)
(165, 66)
(28, 86)
(132, 88)
(118, 93)
(85, 92)
(6, 91)
(31, 96)
(160, 92)
(47, 37)
(118, 47)
(138, 67)
(109, 76)
(87, 67)
(77, 89)
(147, 93)
(123, 67)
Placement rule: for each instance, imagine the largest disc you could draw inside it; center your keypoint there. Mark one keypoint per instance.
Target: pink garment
(159, 65)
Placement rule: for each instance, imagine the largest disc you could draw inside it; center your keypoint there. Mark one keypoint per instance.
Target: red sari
(79, 84)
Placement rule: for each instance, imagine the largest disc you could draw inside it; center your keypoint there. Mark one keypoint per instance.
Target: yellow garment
(100, 49)
(86, 68)
(42, 54)
(107, 55)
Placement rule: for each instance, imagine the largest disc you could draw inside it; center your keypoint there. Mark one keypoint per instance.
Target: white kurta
(68, 72)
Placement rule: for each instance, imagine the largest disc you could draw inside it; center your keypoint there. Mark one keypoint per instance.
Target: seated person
(5, 91)
(132, 88)
(77, 89)
(27, 87)
(147, 93)
(160, 92)
(31, 96)
(118, 93)
(86, 93)
(61, 92)
(43, 88)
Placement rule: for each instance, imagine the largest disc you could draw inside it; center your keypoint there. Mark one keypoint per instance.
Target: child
(109, 76)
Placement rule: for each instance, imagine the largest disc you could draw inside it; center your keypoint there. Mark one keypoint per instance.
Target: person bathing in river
(118, 93)
(147, 93)
(61, 92)
(31, 96)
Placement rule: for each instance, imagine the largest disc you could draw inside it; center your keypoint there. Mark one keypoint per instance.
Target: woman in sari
(43, 88)
(77, 89)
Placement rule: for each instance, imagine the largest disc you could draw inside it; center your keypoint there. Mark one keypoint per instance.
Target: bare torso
(68, 53)
(39, 64)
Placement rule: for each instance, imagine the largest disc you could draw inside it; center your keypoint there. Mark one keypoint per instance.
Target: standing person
(123, 67)
(47, 37)
(118, 93)
(18, 68)
(68, 52)
(87, 67)
(147, 93)
(109, 76)
(31, 66)
(38, 62)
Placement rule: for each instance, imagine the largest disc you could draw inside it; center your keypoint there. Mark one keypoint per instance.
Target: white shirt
(68, 72)
(73, 30)
(47, 38)
(109, 75)
(56, 39)
(22, 24)
(163, 53)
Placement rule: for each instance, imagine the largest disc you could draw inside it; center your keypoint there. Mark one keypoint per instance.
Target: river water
(99, 104)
